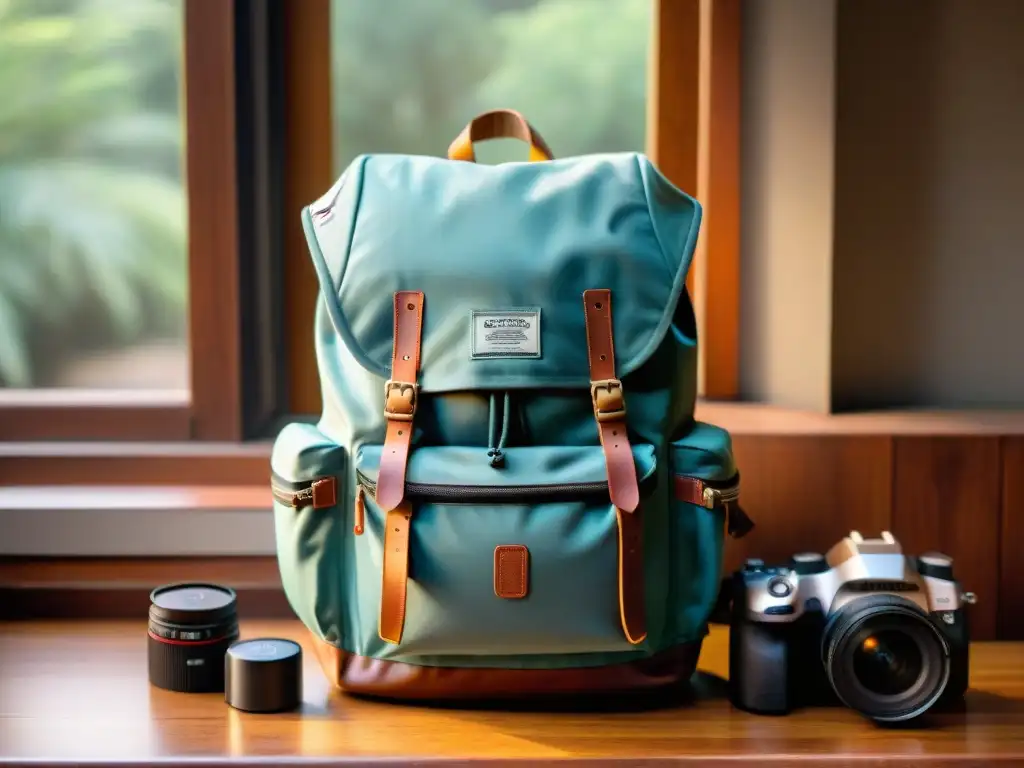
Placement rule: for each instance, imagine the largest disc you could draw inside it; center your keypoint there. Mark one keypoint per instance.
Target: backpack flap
(502, 256)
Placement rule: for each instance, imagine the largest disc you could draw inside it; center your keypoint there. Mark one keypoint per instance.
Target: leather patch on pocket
(511, 569)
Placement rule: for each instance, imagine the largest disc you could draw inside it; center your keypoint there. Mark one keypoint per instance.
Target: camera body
(863, 625)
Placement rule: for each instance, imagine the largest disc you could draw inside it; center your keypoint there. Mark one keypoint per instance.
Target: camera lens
(885, 658)
(191, 626)
(888, 663)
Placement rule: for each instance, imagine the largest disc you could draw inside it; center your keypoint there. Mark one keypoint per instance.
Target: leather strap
(395, 578)
(688, 489)
(401, 393)
(610, 412)
(609, 401)
(401, 396)
(691, 490)
(498, 124)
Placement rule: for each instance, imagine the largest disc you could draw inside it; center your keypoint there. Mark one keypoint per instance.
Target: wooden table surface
(76, 692)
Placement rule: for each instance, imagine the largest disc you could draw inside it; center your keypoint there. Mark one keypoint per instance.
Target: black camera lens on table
(885, 658)
(191, 627)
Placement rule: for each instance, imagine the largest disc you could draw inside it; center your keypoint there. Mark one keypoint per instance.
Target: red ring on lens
(168, 641)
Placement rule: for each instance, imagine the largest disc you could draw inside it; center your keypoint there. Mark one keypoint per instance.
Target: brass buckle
(400, 398)
(609, 400)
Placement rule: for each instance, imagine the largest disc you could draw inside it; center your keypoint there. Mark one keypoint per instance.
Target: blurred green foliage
(92, 223)
(93, 252)
(409, 74)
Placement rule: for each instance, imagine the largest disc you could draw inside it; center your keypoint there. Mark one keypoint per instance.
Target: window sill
(757, 419)
(139, 463)
(206, 464)
(142, 521)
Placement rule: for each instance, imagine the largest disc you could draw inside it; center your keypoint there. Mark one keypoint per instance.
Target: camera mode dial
(936, 565)
(808, 563)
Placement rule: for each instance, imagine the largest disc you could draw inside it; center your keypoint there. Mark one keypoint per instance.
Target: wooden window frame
(693, 124)
(233, 153)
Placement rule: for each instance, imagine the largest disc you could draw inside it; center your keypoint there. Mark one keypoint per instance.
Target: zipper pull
(360, 512)
(323, 493)
(737, 522)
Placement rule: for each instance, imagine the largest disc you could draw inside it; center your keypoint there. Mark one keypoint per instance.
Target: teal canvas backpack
(506, 494)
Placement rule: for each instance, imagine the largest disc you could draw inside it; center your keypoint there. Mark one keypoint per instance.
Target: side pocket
(307, 480)
(704, 493)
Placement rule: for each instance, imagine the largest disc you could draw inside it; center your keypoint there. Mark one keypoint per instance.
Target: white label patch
(505, 333)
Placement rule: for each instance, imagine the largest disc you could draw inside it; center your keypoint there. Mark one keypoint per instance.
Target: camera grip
(759, 668)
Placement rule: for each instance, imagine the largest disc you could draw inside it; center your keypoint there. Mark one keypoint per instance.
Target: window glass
(93, 251)
(409, 74)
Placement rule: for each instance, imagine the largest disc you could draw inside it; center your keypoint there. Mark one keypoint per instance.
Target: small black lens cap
(263, 675)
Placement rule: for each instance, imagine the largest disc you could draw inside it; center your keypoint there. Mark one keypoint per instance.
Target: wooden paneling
(118, 588)
(1011, 565)
(310, 137)
(805, 492)
(948, 498)
(153, 571)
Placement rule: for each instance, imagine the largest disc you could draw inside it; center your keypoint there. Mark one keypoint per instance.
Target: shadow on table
(702, 687)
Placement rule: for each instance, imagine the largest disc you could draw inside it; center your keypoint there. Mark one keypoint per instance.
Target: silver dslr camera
(863, 625)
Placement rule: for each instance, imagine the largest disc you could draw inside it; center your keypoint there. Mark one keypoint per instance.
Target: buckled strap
(401, 396)
(395, 578)
(610, 413)
(609, 401)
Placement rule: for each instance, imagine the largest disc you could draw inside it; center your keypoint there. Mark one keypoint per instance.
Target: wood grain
(78, 692)
(106, 464)
(716, 282)
(213, 286)
(673, 93)
(947, 497)
(128, 571)
(310, 172)
(806, 493)
(112, 587)
(1011, 564)
(74, 419)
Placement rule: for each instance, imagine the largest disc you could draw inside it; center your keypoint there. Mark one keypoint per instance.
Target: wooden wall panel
(805, 492)
(947, 497)
(1011, 562)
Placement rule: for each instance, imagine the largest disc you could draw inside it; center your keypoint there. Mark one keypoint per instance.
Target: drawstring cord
(496, 452)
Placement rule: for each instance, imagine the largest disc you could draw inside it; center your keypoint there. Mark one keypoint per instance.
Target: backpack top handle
(498, 124)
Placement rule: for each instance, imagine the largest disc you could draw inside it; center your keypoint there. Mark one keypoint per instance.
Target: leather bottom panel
(396, 680)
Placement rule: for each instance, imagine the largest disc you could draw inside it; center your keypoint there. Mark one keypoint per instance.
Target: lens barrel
(885, 658)
(191, 627)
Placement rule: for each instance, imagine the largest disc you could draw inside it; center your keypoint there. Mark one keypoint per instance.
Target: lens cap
(263, 675)
(192, 603)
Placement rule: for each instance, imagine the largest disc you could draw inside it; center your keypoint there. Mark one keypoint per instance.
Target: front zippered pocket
(307, 484)
(704, 506)
(318, 494)
(464, 515)
(498, 494)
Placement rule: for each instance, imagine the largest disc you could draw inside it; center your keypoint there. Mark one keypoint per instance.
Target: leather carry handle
(498, 124)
